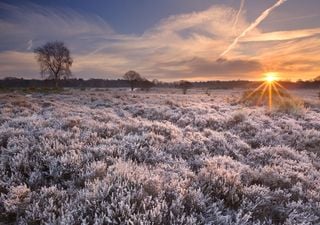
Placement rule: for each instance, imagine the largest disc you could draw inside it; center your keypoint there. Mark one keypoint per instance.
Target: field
(158, 157)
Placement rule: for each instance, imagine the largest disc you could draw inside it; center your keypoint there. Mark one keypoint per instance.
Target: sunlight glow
(271, 77)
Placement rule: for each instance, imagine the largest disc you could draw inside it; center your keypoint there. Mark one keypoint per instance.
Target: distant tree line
(71, 83)
(12, 82)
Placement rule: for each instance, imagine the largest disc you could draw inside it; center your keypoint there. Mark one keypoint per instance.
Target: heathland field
(158, 157)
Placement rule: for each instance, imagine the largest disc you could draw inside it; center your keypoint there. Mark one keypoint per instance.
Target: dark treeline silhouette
(12, 82)
(72, 83)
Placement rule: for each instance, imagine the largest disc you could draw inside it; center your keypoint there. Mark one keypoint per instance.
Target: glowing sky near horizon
(166, 40)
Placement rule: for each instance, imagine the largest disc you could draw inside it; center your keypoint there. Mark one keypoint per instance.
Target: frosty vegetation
(116, 157)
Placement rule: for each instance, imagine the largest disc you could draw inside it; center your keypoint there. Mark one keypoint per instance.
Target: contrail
(262, 17)
(30, 44)
(238, 14)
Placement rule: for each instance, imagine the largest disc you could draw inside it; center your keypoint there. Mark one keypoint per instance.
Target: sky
(166, 40)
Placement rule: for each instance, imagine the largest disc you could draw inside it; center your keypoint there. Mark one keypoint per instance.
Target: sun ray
(262, 94)
(281, 87)
(277, 91)
(270, 95)
(278, 84)
(255, 90)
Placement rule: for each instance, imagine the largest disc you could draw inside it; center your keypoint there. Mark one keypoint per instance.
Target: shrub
(259, 97)
(290, 106)
(16, 201)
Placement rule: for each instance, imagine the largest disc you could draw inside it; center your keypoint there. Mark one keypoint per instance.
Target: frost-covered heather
(115, 157)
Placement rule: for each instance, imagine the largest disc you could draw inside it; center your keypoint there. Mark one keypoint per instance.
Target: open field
(159, 157)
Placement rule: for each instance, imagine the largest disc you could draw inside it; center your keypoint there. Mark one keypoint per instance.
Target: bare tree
(55, 61)
(184, 85)
(133, 78)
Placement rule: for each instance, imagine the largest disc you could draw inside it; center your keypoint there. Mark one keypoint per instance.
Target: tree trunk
(131, 84)
(56, 78)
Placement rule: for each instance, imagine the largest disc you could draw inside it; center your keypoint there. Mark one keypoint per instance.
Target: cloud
(238, 14)
(222, 69)
(18, 64)
(199, 34)
(40, 24)
(252, 26)
(295, 59)
(100, 52)
(283, 35)
(178, 47)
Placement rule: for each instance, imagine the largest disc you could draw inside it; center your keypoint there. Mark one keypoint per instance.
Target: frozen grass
(115, 157)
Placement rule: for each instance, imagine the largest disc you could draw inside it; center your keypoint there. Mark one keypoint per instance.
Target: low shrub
(290, 106)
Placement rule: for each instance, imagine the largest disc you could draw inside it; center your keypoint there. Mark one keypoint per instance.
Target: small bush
(290, 106)
(17, 199)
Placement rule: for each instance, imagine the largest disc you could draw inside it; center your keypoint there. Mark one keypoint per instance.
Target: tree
(184, 85)
(55, 61)
(133, 78)
(146, 85)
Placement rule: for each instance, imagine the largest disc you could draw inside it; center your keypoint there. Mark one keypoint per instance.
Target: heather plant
(112, 158)
(290, 106)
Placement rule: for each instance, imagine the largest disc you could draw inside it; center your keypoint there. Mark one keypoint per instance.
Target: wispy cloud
(18, 64)
(40, 24)
(238, 14)
(178, 47)
(282, 35)
(225, 69)
(30, 45)
(252, 26)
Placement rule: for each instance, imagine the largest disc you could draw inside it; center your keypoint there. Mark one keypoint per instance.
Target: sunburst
(269, 90)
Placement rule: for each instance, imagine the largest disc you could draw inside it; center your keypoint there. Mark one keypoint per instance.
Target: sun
(271, 77)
